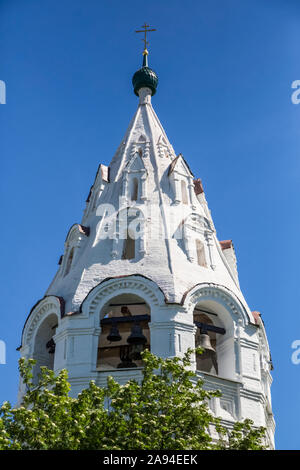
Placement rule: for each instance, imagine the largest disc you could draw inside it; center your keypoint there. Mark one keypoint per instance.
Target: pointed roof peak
(175, 161)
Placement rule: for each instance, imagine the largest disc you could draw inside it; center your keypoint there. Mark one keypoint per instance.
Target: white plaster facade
(165, 274)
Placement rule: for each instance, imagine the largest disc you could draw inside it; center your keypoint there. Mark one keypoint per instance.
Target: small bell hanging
(137, 336)
(114, 334)
(204, 342)
(209, 351)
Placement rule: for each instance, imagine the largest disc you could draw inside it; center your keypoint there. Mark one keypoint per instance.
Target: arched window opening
(184, 194)
(200, 253)
(207, 361)
(69, 261)
(124, 333)
(215, 332)
(130, 229)
(135, 188)
(44, 347)
(129, 247)
(208, 335)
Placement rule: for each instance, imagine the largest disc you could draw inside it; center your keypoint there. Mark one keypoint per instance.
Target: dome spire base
(145, 95)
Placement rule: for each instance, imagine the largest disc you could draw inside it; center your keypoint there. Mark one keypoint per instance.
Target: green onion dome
(145, 77)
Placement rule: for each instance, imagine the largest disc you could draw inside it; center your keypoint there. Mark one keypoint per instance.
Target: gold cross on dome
(145, 30)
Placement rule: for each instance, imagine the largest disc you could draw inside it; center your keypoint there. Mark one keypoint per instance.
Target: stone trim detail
(142, 286)
(218, 293)
(75, 232)
(49, 304)
(246, 343)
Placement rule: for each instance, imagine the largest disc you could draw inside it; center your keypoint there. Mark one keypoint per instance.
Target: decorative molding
(173, 325)
(218, 293)
(76, 231)
(44, 307)
(73, 242)
(246, 343)
(73, 332)
(139, 285)
(228, 405)
(255, 395)
(163, 148)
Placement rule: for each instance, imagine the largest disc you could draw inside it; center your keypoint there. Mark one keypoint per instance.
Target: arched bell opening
(44, 345)
(215, 333)
(209, 331)
(124, 333)
(206, 339)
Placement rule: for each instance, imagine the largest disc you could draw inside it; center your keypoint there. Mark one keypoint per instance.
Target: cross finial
(145, 30)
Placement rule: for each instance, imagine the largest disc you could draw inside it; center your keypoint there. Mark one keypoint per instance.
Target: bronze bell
(209, 351)
(204, 342)
(114, 334)
(136, 335)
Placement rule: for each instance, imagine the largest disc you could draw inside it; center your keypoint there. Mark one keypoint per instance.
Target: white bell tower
(145, 269)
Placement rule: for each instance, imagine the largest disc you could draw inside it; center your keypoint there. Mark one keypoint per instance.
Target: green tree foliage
(168, 409)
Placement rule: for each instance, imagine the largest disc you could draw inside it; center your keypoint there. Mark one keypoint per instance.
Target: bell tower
(145, 269)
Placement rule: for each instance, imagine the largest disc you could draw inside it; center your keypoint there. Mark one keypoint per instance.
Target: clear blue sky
(225, 70)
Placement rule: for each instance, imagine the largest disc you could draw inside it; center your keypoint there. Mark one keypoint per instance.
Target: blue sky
(225, 70)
